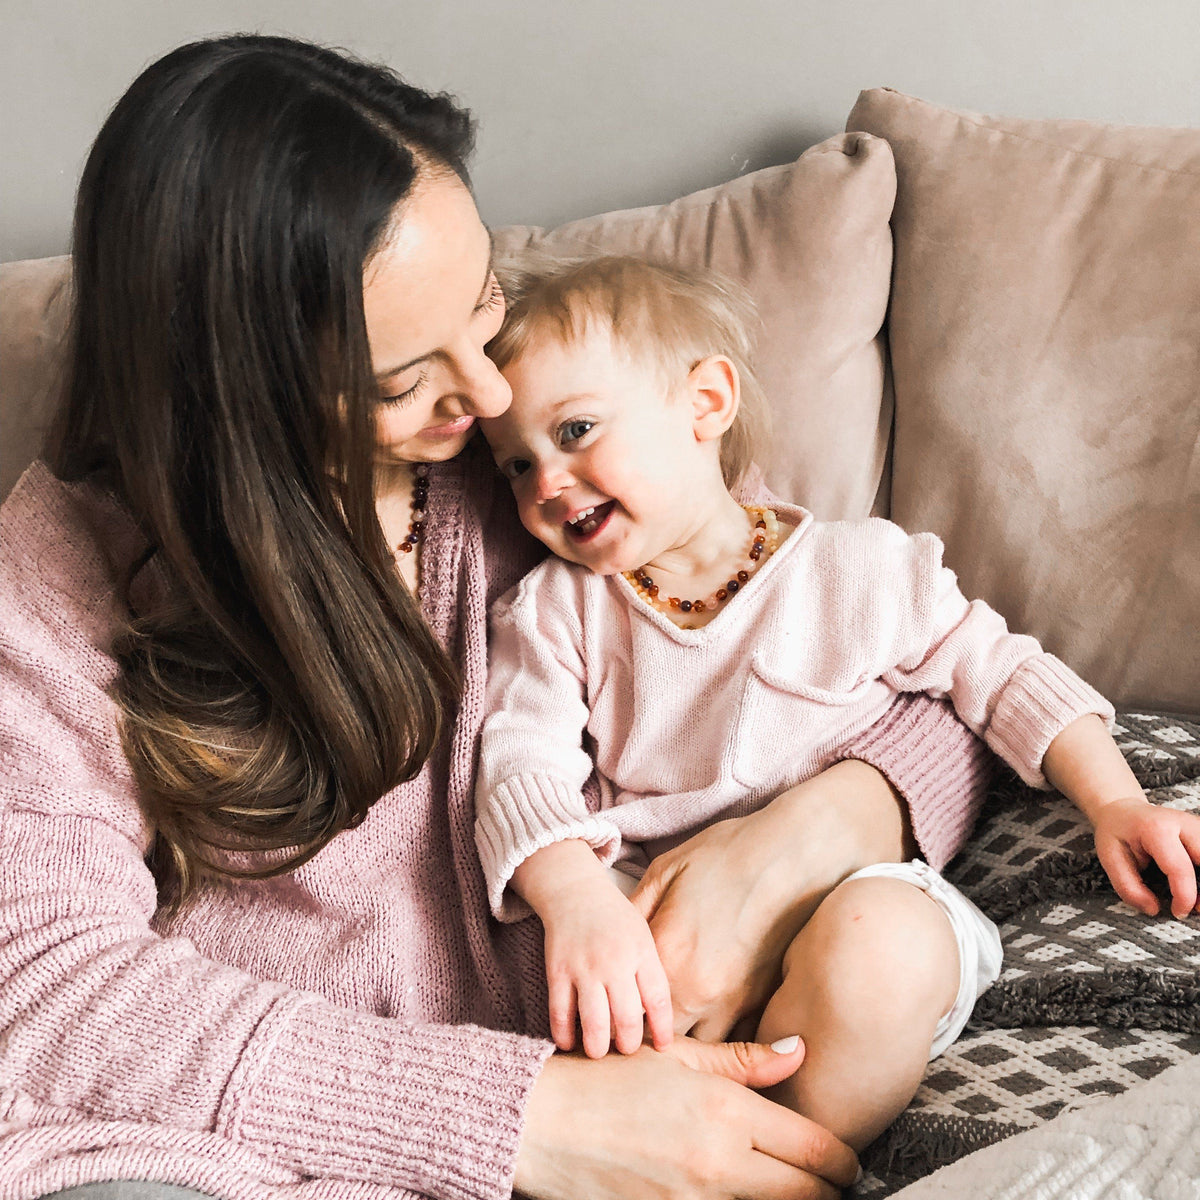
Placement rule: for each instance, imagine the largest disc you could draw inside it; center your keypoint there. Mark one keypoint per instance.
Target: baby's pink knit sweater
(688, 726)
(319, 1035)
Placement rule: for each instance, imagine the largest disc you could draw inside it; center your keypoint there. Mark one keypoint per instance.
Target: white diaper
(979, 950)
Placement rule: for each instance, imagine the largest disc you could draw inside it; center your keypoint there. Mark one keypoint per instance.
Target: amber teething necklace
(764, 541)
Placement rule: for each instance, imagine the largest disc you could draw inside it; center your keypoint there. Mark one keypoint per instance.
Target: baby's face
(603, 461)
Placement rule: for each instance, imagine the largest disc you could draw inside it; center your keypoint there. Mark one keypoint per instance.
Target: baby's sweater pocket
(786, 719)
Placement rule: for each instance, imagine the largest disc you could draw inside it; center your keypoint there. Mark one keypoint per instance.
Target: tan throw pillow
(811, 243)
(1045, 342)
(33, 314)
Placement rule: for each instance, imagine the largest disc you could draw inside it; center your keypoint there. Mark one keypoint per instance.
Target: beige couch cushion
(1045, 341)
(33, 314)
(811, 242)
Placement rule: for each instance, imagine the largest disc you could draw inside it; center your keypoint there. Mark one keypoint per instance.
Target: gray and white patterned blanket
(1093, 998)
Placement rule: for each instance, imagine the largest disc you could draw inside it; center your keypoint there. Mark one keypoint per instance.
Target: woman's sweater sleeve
(106, 1019)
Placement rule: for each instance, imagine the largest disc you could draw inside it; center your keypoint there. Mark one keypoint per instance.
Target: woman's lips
(451, 429)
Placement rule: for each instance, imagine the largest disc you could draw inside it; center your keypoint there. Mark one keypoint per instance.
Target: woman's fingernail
(786, 1045)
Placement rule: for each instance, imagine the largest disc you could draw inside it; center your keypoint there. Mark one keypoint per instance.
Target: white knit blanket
(1141, 1145)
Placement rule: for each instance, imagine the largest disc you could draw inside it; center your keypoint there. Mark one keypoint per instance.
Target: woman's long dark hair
(219, 379)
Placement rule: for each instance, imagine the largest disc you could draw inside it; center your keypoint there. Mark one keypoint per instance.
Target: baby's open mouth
(585, 524)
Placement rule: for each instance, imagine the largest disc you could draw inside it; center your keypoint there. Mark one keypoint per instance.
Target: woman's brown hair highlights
(220, 380)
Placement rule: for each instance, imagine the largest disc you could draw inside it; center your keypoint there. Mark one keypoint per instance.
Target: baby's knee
(881, 941)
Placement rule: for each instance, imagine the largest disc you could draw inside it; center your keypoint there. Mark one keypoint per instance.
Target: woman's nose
(484, 389)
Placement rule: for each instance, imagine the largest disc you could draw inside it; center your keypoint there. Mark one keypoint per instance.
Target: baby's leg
(878, 975)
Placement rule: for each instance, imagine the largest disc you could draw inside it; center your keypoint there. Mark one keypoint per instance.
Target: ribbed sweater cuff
(524, 814)
(436, 1109)
(939, 767)
(1043, 697)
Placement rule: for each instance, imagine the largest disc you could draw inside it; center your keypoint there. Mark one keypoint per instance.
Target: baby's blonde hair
(671, 317)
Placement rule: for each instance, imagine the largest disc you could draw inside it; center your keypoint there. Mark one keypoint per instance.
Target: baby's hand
(602, 967)
(1132, 833)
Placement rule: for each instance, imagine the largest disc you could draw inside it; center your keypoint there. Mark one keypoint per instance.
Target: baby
(704, 655)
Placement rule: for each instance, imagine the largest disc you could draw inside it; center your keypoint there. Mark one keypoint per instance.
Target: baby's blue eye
(514, 468)
(572, 431)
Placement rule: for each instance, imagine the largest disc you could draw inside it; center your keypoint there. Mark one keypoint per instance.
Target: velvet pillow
(811, 243)
(1045, 343)
(33, 313)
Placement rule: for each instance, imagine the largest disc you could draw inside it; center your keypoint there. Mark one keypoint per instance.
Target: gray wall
(589, 106)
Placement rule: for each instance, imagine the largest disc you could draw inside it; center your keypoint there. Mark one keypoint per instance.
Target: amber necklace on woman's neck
(764, 541)
(418, 507)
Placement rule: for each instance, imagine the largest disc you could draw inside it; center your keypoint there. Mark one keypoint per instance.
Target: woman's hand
(726, 904)
(679, 1125)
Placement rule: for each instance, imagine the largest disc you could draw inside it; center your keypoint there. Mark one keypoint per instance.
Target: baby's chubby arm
(601, 962)
(1086, 765)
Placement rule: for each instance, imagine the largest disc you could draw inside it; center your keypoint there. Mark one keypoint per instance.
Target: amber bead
(722, 595)
(674, 602)
(405, 548)
(698, 606)
(653, 589)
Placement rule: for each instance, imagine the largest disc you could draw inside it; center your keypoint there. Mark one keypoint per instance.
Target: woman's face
(431, 304)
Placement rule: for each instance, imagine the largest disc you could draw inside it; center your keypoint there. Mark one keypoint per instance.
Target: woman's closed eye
(399, 399)
(494, 297)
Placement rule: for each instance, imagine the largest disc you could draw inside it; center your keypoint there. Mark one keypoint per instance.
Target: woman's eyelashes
(406, 396)
(494, 297)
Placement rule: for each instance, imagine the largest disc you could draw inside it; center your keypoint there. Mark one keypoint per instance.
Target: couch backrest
(33, 314)
(1045, 342)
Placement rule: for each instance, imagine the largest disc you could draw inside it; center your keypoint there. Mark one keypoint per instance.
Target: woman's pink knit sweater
(331, 1033)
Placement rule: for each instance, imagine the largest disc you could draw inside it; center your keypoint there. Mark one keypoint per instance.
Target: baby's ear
(713, 392)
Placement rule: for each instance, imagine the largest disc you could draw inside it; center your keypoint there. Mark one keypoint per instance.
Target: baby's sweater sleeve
(532, 760)
(1004, 685)
(105, 1020)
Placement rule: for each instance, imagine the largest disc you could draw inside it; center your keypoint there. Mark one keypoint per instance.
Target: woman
(241, 661)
